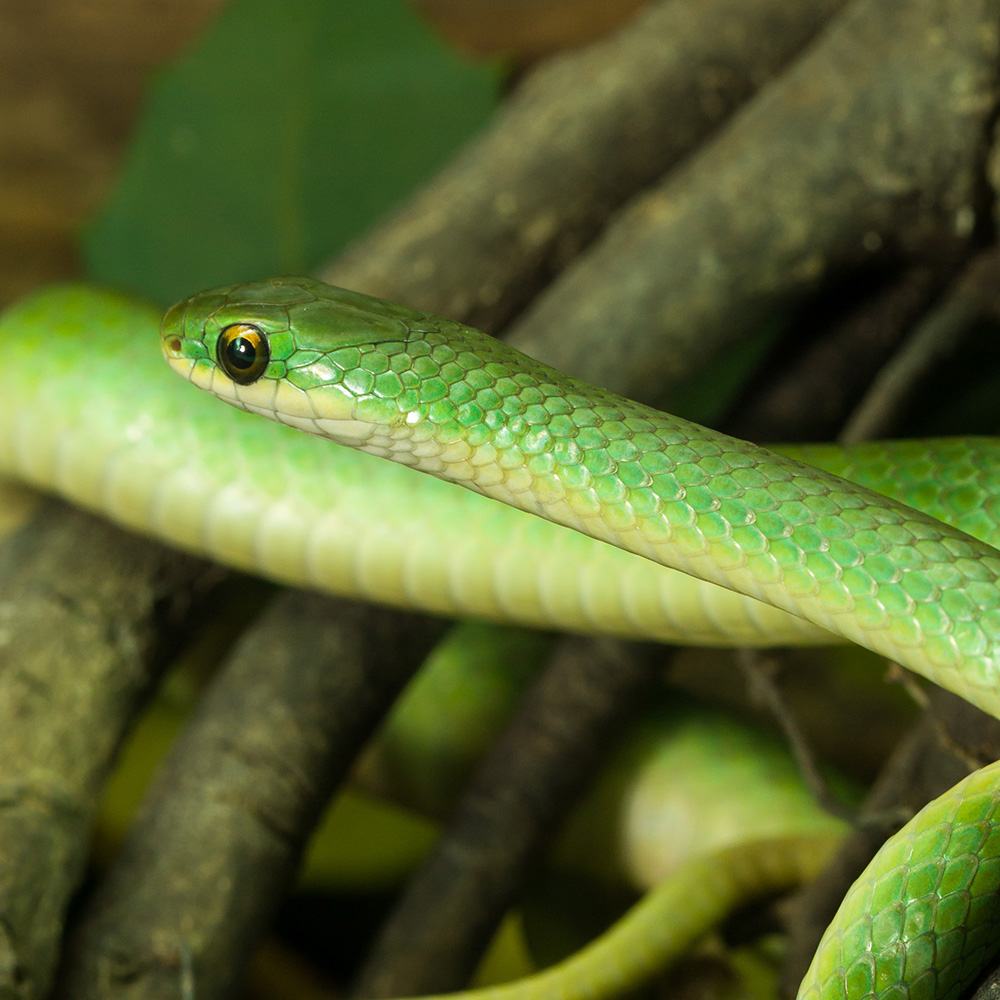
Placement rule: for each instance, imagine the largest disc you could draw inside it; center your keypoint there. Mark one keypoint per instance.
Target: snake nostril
(174, 346)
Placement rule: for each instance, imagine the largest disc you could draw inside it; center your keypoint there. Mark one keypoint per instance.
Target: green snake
(812, 554)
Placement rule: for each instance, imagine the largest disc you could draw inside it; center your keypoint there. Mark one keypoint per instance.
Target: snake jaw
(198, 374)
(195, 371)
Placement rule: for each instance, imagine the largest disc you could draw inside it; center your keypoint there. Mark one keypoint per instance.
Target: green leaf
(286, 132)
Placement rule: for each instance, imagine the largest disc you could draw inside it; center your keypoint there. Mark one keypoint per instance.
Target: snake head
(298, 351)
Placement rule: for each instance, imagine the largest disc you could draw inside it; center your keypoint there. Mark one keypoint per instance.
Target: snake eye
(242, 353)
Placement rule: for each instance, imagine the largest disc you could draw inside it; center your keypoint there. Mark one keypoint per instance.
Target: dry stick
(89, 616)
(530, 777)
(806, 391)
(760, 672)
(581, 135)
(221, 831)
(989, 988)
(852, 149)
(972, 298)
(935, 339)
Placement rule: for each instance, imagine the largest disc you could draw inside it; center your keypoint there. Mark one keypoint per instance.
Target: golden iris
(243, 352)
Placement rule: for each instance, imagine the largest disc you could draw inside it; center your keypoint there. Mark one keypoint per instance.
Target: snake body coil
(461, 406)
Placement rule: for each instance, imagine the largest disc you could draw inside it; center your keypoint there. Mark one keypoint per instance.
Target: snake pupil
(242, 353)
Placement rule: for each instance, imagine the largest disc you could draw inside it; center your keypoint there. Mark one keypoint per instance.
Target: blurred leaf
(282, 135)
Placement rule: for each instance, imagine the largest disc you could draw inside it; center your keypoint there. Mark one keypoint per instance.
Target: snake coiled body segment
(924, 918)
(466, 408)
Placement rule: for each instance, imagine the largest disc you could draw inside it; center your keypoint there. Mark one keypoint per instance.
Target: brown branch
(807, 387)
(971, 299)
(530, 777)
(89, 617)
(218, 838)
(851, 151)
(581, 135)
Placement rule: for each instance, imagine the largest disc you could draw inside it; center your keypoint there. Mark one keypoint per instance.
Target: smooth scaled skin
(453, 402)
(923, 919)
